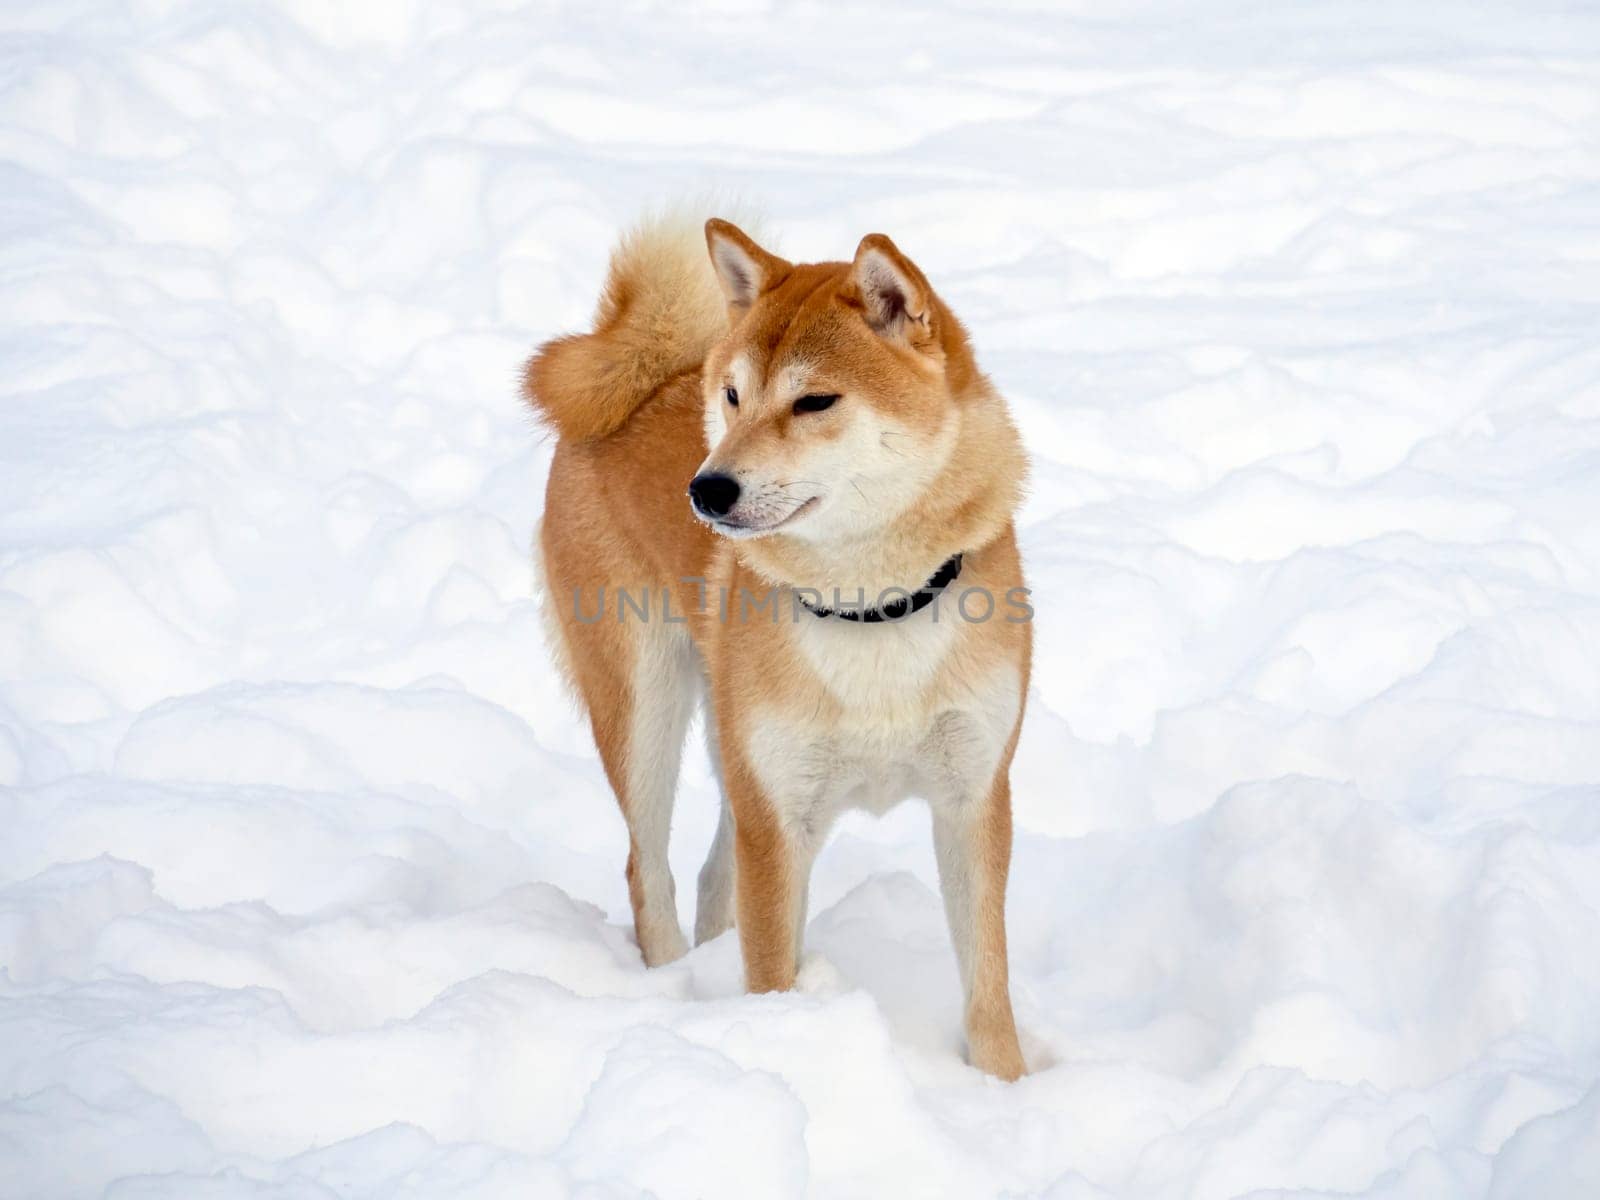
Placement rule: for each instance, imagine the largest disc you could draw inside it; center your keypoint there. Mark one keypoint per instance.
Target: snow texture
(310, 882)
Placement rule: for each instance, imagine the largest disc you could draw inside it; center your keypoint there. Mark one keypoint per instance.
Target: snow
(310, 882)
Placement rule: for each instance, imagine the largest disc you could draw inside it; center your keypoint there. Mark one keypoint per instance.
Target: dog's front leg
(972, 837)
(770, 870)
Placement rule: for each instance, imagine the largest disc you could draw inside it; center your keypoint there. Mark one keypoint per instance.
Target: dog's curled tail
(661, 309)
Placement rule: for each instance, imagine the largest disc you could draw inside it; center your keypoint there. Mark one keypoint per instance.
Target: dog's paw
(992, 1047)
(1004, 1063)
(819, 977)
(661, 944)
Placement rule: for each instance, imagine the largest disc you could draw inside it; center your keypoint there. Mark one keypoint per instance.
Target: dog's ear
(743, 268)
(895, 295)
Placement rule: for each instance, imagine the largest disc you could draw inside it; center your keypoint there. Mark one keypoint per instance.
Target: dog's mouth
(731, 528)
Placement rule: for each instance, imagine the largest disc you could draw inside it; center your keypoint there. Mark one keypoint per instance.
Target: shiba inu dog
(788, 488)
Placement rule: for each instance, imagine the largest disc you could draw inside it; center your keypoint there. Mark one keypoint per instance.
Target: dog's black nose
(713, 494)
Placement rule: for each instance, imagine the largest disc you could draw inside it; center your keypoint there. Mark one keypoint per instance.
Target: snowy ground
(310, 884)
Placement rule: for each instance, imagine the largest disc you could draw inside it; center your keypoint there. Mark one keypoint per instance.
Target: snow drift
(310, 883)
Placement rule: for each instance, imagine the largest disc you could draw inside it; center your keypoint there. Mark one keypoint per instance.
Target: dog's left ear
(895, 294)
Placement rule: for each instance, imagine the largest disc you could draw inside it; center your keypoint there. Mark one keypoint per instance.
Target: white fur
(741, 374)
(794, 381)
(664, 678)
(871, 475)
(896, 742)
(860, 481)
(714, 908)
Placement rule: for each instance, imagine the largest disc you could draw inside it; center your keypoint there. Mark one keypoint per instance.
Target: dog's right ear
(743, 268)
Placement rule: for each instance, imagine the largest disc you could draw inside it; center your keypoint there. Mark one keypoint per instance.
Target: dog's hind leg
(714, 908)
(662, 699)
(636, 676)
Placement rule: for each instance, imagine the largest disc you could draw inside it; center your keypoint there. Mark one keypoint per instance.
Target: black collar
(900, 607)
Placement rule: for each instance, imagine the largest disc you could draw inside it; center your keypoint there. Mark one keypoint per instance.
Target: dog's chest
(911, 718)
(889, 673)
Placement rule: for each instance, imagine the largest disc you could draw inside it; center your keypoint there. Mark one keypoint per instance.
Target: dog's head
(831, 403)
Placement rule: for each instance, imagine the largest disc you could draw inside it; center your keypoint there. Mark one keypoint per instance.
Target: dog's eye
(732, 396)
(813, 403)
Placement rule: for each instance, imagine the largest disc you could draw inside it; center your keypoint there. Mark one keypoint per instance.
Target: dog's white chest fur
(905, 730)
